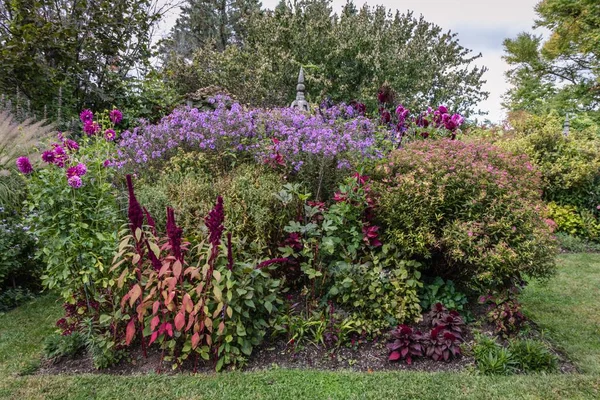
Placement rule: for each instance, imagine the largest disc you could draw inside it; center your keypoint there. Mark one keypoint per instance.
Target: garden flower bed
(241, 238)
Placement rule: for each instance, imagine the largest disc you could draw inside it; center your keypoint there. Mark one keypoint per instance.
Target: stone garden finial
(566, 125)
(300, 101)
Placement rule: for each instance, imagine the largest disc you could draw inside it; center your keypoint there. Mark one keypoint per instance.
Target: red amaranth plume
(271, 261)
(135, 213)
(174, 233)
(214, 222)
(150, 221)
(153, 259)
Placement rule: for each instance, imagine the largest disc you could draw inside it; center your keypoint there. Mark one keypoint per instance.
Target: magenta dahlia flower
(115, 116)
(24, 165)
(110, 135)
(74, 181)
(86, 116)
(48, 156)
(91, 128)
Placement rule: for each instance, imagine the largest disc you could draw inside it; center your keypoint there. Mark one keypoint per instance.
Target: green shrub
(570, 166)
(567, 219)
(17, 246)
(444, 292)
(470, 212)
(341, 258)
(14, 297)
(574, 244)
(254, 215)
(380, 293)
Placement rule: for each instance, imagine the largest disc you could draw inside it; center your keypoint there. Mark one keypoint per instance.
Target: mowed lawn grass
(565, 308)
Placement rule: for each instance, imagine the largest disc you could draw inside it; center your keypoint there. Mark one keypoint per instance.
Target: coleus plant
(442, 342)
(406, 344)
(191, 301)
(504, 311)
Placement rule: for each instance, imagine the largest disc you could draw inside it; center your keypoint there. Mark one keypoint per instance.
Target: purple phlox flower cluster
(115, 116)
(283, 137)
(24, 165)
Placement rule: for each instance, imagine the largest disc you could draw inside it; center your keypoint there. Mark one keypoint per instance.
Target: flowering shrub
(338, 251)
(469, 211)
(73, 213)
(192, 303)
(406, 126)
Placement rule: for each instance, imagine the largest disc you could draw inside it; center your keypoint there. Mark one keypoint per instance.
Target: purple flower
(81, 169)
(106, 163)
(109, 135)
(86, 116)
(48, 156)
(91, 128)
(115, 116)
(60, 157)
(71, 145)
(74, 181)
(24, 165)
(443, 109)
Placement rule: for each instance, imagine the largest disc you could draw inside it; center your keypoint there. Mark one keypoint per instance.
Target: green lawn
(566, 308)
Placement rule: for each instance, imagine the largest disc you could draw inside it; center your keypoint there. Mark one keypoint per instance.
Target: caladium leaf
(394, 356)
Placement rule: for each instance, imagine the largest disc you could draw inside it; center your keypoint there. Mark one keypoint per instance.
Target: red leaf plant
(187, 309)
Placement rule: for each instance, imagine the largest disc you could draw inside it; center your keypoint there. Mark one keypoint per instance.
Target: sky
(481, 26)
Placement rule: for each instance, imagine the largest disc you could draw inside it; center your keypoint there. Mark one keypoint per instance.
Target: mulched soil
(369, 356)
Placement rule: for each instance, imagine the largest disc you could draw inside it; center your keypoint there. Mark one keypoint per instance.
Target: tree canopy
(561, 72)
(346, 56)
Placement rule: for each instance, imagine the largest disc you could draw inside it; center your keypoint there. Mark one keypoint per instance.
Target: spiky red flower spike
(135, 213)
(150, 221)
(174, 233)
